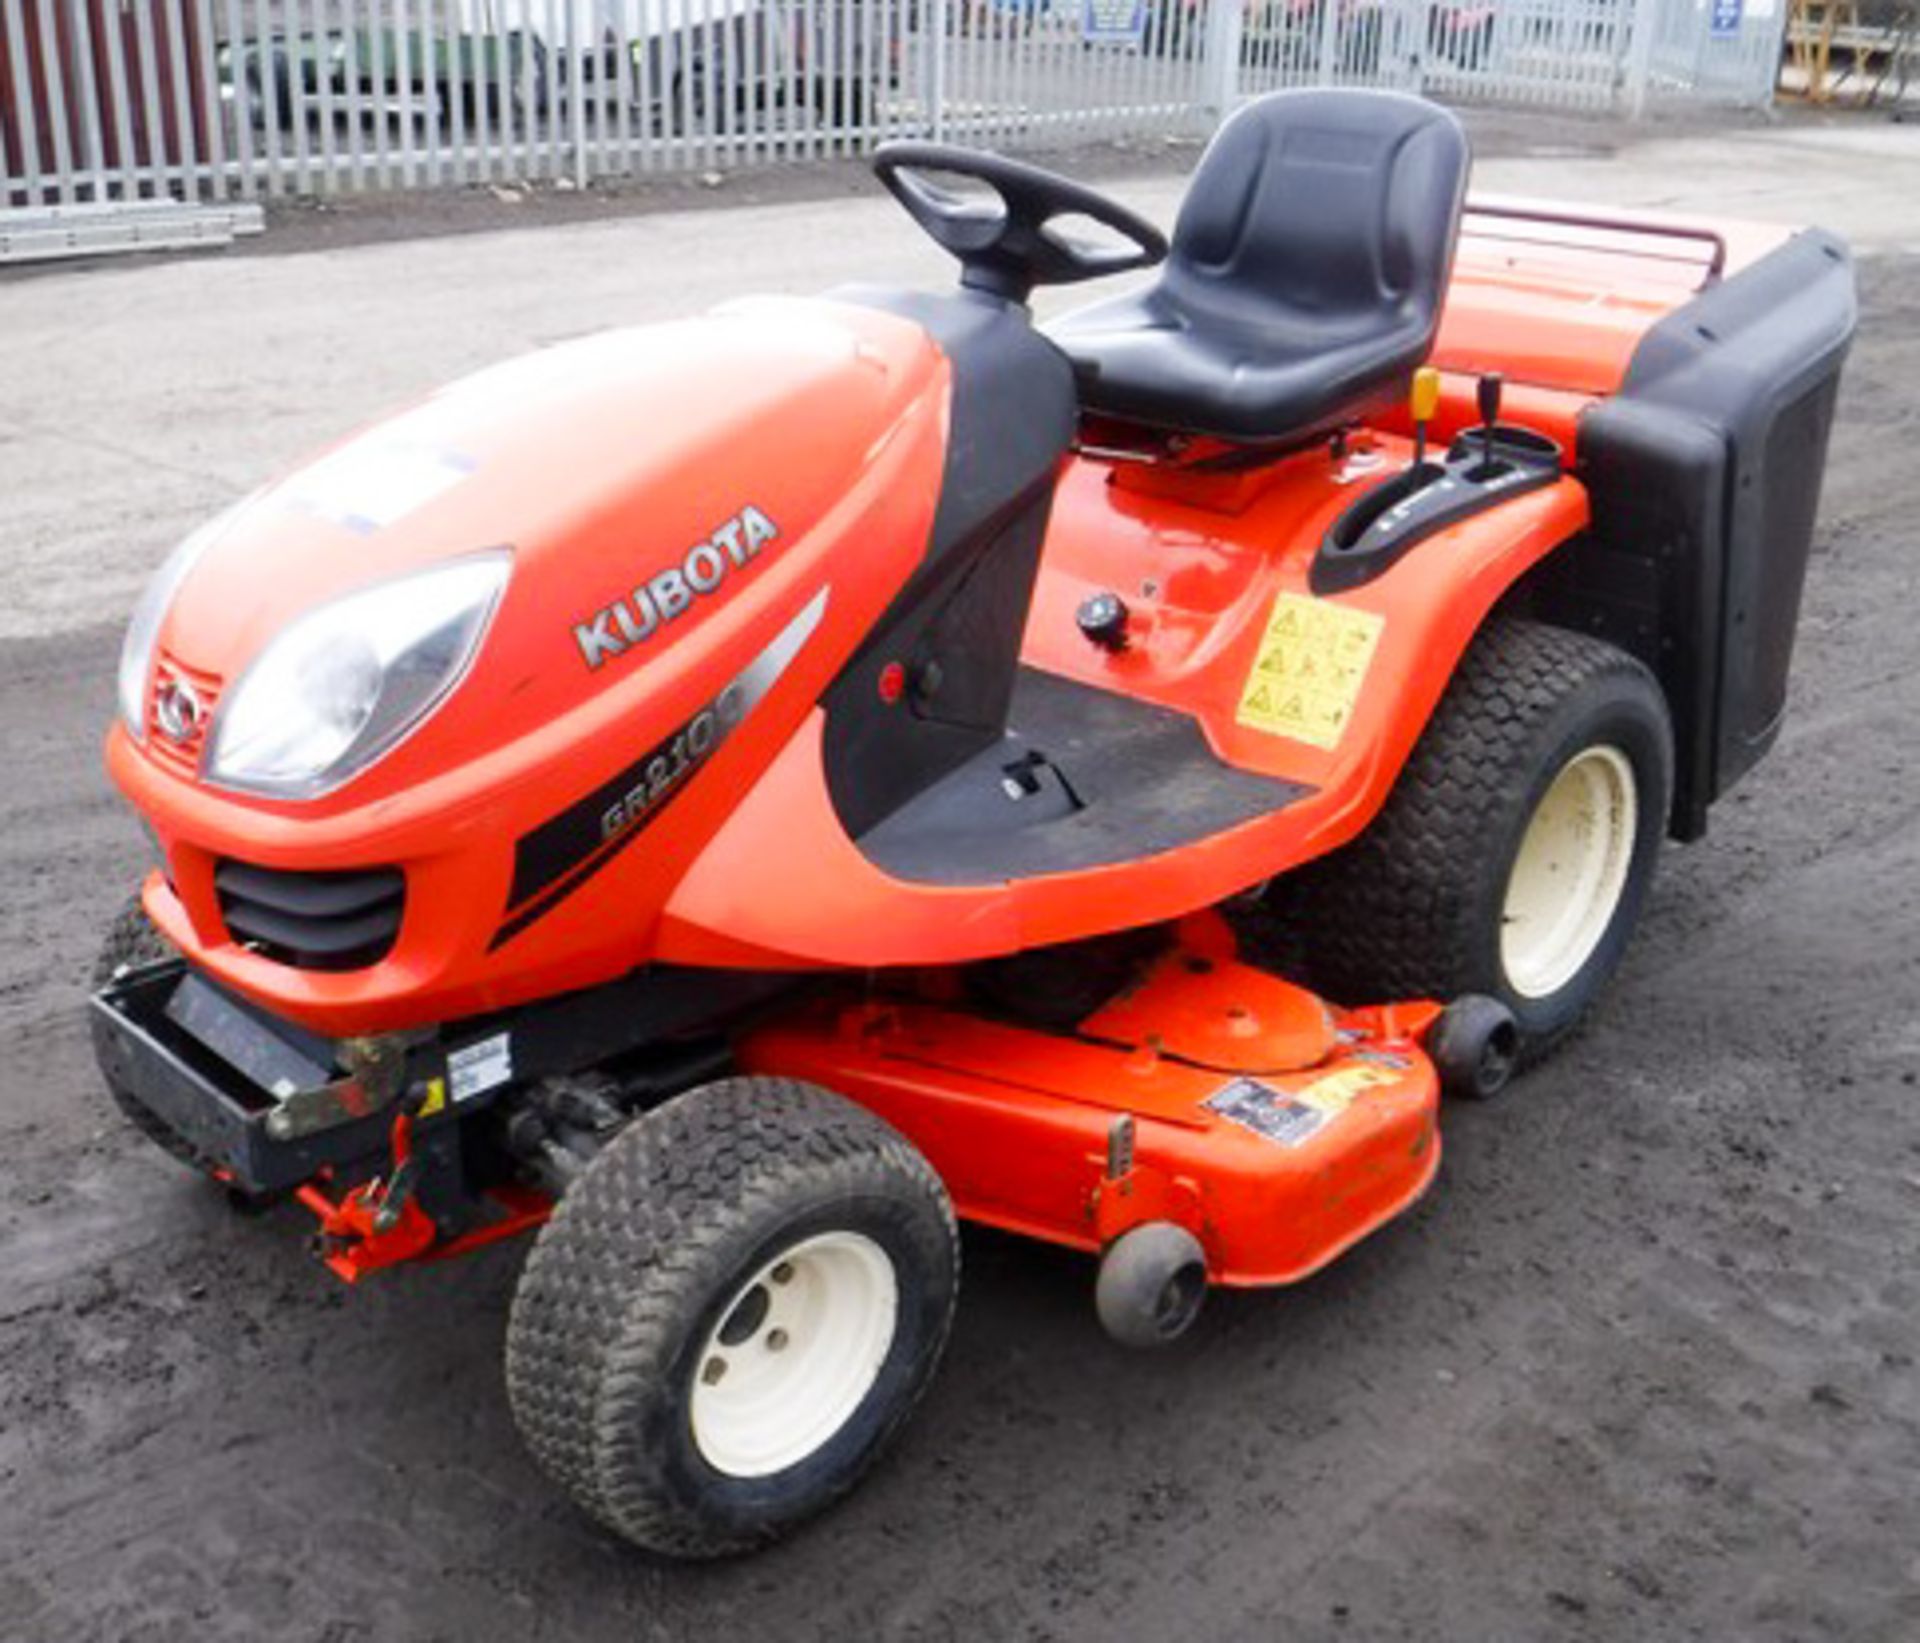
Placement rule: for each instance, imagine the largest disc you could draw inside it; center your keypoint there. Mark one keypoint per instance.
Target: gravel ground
(1643, 1365)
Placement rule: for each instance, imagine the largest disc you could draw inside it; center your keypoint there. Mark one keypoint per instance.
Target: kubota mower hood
(432, 646)
(515, 544)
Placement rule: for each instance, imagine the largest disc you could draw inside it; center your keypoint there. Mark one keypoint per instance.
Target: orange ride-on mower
(737, 794)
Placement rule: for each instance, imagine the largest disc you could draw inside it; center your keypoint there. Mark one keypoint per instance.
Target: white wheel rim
(797, 1349)
(1567, 880)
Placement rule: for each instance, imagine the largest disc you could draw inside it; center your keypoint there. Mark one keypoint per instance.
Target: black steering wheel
(1008, 248)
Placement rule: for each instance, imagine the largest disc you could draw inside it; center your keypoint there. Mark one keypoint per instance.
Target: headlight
(343, 684)
(136, 651)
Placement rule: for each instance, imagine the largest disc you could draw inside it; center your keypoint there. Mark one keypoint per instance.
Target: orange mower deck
(1216, 1096)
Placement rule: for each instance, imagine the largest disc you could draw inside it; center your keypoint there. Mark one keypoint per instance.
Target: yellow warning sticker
(435, 1099)
(1308, 670)
(1332, 1093)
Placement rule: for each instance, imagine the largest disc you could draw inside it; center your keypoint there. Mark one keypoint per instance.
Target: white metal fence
(208, 100)
(1567, 53)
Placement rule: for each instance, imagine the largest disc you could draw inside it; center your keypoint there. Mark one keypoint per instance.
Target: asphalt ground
(1642, 1365)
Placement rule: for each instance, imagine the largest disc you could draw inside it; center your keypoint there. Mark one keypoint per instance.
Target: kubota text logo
(668, 594)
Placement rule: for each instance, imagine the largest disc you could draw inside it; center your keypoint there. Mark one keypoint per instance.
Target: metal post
(1767, 68)
(13, 41)
(403, 84)
(935, 78)
(1640, 56)
(577, 90)
(1329, 39)
(1225, 21)
(1411, 21)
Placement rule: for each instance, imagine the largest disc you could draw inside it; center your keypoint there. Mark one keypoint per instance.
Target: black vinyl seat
(1305, 277)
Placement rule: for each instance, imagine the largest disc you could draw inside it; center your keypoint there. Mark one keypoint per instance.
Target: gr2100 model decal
(562, 853)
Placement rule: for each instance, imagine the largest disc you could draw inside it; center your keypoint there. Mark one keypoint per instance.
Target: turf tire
(641, 1264)
(1414, 906)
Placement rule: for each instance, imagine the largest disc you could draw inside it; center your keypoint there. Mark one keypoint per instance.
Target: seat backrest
(1322, 207)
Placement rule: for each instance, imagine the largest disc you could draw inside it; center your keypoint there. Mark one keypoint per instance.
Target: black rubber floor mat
(1084, 778)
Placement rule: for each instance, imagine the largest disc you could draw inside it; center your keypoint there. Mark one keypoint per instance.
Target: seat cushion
(1305, 279)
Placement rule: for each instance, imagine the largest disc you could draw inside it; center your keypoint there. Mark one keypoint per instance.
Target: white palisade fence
(156, 108)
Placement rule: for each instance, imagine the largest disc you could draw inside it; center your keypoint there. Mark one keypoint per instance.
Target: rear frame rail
(1714, 268)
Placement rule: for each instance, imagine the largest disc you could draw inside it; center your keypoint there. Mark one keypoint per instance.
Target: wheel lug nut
(782, 1272)
(712, 1370)
(776, 1340)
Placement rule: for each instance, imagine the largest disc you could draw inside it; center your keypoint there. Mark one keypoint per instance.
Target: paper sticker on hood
(371, 485)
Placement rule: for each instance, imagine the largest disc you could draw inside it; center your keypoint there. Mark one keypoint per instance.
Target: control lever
(1423, 402)
(1487, 394)
(389, 1201)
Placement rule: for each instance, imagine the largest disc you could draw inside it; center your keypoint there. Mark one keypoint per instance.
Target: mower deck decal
(566, 850)
(1308, 670)
(1298, 1107)
(1332, 1093)
(1273, 1115)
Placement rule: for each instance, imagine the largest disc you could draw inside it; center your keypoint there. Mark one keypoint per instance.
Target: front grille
(313, 921)
(181, 753)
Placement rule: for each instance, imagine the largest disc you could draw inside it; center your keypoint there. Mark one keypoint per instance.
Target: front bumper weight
(225, 1117)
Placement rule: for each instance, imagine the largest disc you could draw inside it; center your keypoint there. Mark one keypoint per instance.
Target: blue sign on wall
(1114, 21)
(1726, 17)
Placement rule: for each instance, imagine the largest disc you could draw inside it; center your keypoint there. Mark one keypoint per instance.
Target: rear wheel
(1515, 850)
(132, 941)
(731, 1313)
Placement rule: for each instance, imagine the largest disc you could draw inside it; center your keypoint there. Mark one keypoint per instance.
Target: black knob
(1103, 620)
(1488, 397)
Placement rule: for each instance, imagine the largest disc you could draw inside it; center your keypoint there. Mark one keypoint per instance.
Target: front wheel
(1515, 850)
(731, 1313)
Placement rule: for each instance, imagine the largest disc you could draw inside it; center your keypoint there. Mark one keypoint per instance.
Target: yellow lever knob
(1426, 393)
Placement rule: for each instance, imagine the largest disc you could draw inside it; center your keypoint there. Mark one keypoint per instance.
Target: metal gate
(122, 101)
(1567, 53)
(1558, 53)
(1712, 50)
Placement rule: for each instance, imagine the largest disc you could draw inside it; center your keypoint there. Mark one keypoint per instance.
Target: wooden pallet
(1829, 47)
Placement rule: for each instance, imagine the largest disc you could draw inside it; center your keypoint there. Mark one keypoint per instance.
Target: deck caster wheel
(732, 1311)
(1475, 1046)
(1152, 1282)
